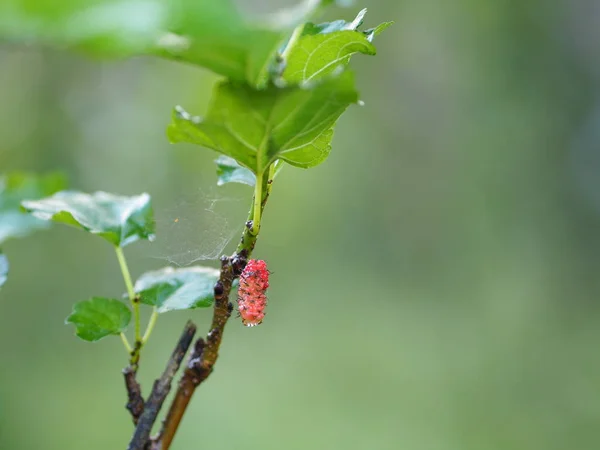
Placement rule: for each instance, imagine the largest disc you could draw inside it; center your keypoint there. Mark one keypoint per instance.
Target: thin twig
(135, 401)
(160, 390)
(206, 352)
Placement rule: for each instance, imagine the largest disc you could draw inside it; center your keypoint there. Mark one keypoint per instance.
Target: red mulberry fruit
(252, 300)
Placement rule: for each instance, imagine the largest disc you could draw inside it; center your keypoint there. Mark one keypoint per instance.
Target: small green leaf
(378, 29)
(257, 127)
(99, 317)
(325, 48)
(3, 268)
(171, 289)
(119, 220)
(336, 25)
(16, 187)
(229, 171)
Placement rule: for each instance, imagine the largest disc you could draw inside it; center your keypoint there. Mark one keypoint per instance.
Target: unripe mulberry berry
(252, 300)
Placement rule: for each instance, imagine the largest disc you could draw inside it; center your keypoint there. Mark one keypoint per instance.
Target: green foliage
(252, 118)
(3, 268)
(119, 220)
(290, 120)
(99, 317)
(16, 187)
(220, 40)
(208, 33)
(118, 27)
(229, 171)
(286, 83)
(172, 289)
(323, 49)
(258, 127)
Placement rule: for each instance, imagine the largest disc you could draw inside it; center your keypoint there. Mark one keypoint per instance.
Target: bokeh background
(436, 281)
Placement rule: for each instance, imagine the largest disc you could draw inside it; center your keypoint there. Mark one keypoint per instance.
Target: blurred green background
(435, 281)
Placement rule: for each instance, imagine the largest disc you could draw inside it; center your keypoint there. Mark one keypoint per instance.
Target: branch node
(135, 401)
(199, 347)
(219, 290)
(213, 335)
(238, 263)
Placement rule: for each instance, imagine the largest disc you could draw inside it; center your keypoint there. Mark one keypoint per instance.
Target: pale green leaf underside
(15, 224)
(16, 187)
(229, 171)
(258, 127)
(119, 220)
(3, 268)
(99, 317)
(173, 289)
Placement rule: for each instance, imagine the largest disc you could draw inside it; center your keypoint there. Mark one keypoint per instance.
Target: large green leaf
(99, 317)
(210, 33)
(257, 127)
(172, 289)
(238, 52)
(3, 268)
(322, 49)
(110, 27)
(119, 220)
(16, 187)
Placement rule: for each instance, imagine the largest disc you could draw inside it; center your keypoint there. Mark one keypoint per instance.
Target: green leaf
(119, 220)
(99, 317)
(244, 55)
(257, 127)
(16, 187)
(336, 25)
(323, 49)
(378, 29)
(3, 268)
(229, 171)
(173, 289)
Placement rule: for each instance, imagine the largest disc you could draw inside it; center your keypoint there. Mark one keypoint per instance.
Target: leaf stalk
(135, 303)
(126, 343)
(150, 326)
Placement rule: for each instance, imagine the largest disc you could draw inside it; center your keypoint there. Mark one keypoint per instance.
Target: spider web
(195, 229)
